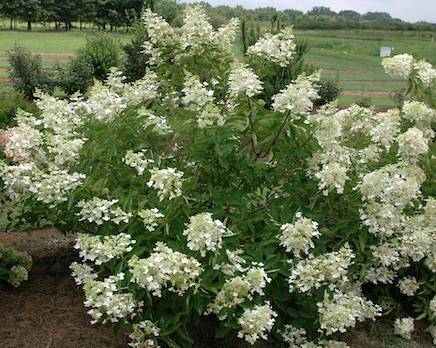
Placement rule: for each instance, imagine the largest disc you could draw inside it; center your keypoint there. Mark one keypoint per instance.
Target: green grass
(353, 55)
(350, 56)
(50, 41)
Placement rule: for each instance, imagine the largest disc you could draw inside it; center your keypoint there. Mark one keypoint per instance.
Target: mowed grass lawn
(351, 56)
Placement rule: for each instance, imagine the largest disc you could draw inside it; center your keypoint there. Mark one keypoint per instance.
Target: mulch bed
(47, 311)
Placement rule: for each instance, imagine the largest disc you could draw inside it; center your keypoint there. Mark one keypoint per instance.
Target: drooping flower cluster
(411, 145)
(298, 96)
(209, 116)
(137, 160)
(297, 237)
(165, 268)
(82, 272)
(168, 182)
(327, 269)
(343, 309)
(408, 286)
(278, 48)
(21, 144)
(195, 93)
(106, 300)
(150, 217)
(296, 338)
(103, 249)
(256, 323)
(159, 124)
(237, 290)
(426, 72)
(204, 233)
(144, 335)
(404, 327)
(99, 211)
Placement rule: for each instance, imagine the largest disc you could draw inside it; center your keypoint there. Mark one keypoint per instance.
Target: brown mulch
(48, 312)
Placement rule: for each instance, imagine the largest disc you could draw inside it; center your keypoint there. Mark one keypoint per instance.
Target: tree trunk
(80, 24)
(29, 25)
(11, 26)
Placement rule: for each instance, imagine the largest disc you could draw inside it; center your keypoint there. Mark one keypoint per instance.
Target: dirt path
(366, 93)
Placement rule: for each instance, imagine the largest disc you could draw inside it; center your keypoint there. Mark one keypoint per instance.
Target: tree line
(103, 13)
(123, 13)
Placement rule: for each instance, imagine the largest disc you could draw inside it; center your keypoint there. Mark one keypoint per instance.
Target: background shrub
(329, 90)
(10, 102)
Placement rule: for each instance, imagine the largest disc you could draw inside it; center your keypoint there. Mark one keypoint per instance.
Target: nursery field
(350, 56)
(353, 58)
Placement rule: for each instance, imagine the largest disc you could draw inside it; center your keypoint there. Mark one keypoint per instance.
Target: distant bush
(10, 102)
(329, 90)
(135, 59)
(364, 102)
(26, 70)
(100, 53)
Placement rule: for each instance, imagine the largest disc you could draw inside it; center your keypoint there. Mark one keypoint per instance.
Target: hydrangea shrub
(194, 199)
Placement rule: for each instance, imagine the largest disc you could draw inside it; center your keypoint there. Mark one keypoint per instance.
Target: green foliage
(99, 54)
(27, 73)
(136, 61)
(364, 102)
(10, 102)
(329, 91)
(14, 266)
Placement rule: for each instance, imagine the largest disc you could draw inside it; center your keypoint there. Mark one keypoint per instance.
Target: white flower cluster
(256, 323)
(105, 299)
(278, 48)
(400, 66)
(225, 36)
(143, 335)
(298, 96)
(99, 211)
(21, 144)
(327, 269)
(343, 309)
(296, 338)
(411, 145)
(137, 160)
(237, 290)
(193, 38)
(425, 72)
(236, 262)
(297, 237)
(421, 116)
(81, 272)
(386, 127)
(165, 268)
(168, 182)
(195, 93)
(104, 103)
(159, 124)
(209, 116)
(18, 275)
(408, 286)
(103, 249)
(204, 233)
(243, 81)
(404, 327)
(50, 187)
(196, 31)
(150, 217)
